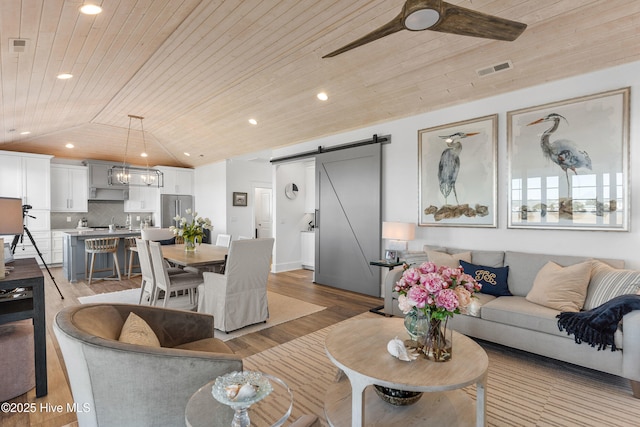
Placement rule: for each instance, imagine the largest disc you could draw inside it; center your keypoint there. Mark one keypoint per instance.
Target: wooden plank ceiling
(197, 70)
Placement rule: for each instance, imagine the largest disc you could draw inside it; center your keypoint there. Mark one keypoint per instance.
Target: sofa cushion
(136, 331)
(211, 345)
(448, 260)
(493, 280)
(561, 288)
(488, 258)
(608, 282)
(517, 311)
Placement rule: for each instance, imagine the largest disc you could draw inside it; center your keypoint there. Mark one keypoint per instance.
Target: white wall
(400, 171)
(289, 216)
(210, 193)
(244, 176)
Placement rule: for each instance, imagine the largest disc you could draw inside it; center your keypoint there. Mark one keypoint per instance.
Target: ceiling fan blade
(467, 22)
(389, 28)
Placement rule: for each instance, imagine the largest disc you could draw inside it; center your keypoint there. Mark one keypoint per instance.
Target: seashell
(232, 390)
(247, 391)
(396, 348)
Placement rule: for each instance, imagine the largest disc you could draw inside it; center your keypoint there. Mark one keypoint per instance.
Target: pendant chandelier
(135, 176)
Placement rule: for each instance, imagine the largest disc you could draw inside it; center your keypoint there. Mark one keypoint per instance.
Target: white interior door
(264, 212)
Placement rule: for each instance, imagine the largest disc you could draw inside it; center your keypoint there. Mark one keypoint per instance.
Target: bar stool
(129, 243)
(101, 245)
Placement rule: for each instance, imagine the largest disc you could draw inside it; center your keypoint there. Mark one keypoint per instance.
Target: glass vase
(417, 324)
(189, 244)
(437, 343)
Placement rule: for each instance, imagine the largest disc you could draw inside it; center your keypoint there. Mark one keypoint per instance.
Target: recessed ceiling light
(26, 132)
(64, 76)
(69, 145)
(90, 9)
(143, 155)
(253, 121)
(187, 154)
(322, 96)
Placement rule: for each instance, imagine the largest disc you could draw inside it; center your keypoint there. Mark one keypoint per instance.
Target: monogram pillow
(492, 279)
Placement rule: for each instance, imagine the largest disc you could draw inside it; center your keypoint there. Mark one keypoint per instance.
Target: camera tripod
(20, 237)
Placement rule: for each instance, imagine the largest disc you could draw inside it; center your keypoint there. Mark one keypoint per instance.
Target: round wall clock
(291, 191)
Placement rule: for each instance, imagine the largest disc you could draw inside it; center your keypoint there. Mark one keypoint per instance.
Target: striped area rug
(522, 390)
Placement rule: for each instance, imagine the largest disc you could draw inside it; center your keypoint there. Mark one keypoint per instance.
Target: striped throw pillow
(608, 282)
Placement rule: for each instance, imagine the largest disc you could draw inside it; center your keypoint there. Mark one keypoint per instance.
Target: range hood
(99, 187)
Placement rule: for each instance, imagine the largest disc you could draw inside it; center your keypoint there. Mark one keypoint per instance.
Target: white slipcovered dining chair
(187, 282)
(238, 297)
(223, 240)
(148, 283)
(156, 234)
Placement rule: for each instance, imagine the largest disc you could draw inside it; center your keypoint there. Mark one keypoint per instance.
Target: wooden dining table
(204, 255)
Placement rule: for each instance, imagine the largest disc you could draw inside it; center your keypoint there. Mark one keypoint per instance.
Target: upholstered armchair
(238, 297)
(125, 384)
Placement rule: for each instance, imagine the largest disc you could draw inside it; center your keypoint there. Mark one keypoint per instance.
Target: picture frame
(391, 255)
(569, 164)
(239, 199)
(457, 173)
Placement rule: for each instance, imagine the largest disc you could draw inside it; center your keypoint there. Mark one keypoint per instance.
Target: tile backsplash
(100, 214)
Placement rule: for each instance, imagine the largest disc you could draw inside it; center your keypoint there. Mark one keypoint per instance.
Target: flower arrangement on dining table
(435, 294)
(192, 231)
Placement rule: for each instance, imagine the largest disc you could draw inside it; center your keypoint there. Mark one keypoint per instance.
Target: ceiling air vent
(503, 66)
(18, 45)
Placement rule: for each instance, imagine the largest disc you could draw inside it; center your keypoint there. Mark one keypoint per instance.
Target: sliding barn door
(348, 219)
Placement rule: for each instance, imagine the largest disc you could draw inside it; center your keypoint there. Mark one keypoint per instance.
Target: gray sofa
(515, 322)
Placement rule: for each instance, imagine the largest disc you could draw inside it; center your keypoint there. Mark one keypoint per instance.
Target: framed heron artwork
(457, 173)
(568, 164)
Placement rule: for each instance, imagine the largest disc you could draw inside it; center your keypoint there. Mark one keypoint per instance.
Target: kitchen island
(73, 259)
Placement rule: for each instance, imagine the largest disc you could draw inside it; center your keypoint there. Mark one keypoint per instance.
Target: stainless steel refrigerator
(172, 205)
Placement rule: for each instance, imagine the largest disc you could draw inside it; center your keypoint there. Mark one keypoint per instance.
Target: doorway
(263, 213)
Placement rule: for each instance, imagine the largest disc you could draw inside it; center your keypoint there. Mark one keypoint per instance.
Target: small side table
(203, 410)
(390, 265)
(27, 274)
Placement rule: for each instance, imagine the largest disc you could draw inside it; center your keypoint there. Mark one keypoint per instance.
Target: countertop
(102, 233)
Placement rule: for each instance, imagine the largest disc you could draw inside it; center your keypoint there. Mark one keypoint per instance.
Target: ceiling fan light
(421, 19)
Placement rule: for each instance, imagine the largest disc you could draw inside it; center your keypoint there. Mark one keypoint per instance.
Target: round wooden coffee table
(359, 348)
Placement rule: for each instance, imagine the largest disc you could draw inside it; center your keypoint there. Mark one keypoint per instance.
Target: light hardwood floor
(298, 284)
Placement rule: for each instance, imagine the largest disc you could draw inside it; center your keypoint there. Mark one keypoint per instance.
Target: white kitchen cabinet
(177, 180)
(141, 199)
(25, 248)
(308, 249)
(69, 188)
(26, 176)
(57, 244)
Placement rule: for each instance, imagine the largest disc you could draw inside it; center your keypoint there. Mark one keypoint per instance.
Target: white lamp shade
(398, 231)
(10, 216)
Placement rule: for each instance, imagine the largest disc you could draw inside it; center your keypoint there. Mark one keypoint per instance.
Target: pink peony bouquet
(438, 292)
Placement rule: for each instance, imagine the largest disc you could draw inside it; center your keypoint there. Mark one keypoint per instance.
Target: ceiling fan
(437, 15)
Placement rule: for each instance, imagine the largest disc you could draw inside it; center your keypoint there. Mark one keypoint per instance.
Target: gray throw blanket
(598, 326)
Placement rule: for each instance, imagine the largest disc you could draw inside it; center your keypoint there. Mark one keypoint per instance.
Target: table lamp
(399, 233)
(10, 224)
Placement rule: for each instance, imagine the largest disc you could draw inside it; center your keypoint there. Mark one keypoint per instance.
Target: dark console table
(28, 305)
